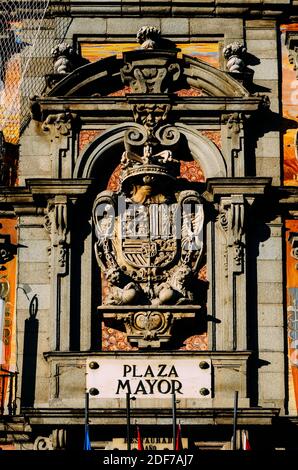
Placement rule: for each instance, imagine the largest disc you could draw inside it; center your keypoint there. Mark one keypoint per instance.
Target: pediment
(111, 75)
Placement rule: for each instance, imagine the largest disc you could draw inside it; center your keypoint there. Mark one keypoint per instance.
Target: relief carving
(231, 218)
(149, 240)
(43, 443)
(235, 55)
(147, 72)
(60, 124)
(64, 58)
(151, 115)
(148, 37)
(57, 225)
(234, 123)
(157, 77)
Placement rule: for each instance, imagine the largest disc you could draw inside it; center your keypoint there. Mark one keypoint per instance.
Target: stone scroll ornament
(149, 240)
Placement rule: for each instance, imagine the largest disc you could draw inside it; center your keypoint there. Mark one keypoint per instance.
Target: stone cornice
(195, 416)
(251, 186)
(120, 107)
(31, 199)
(197, 8)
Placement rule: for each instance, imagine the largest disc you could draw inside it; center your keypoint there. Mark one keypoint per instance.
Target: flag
(245, 441)
(178, 445)
(87, 443)
(140, 441)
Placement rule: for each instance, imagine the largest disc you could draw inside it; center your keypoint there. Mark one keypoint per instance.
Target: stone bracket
(59, 124)
(231, 218)
(57, 224)
(148, 326)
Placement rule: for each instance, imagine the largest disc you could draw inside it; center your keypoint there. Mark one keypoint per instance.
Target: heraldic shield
(149, 236)
(149, 246)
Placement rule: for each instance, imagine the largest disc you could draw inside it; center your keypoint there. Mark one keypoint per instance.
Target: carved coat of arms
(150, 233)
(149, 245)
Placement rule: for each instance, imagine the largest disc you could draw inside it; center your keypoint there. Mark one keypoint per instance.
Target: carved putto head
(148, 37)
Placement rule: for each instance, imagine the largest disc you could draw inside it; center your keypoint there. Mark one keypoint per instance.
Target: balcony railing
(8, 392)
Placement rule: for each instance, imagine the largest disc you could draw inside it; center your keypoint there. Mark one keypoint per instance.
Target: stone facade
(83, 133)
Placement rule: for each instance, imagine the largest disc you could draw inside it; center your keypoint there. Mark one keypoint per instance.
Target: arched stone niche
(105, 150)
(99, 160)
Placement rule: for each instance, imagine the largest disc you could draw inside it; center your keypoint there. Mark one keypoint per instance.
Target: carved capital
(293, 239)
(59, 124)
(231, 218)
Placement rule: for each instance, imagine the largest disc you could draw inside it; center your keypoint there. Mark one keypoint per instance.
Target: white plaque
(148, 378)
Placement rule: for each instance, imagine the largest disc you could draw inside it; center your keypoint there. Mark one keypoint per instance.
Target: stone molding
(213, 162)
(215, 8)
(100, 74)
(225, 365)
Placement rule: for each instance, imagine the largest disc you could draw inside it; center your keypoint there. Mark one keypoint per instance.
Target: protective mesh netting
(27, 35)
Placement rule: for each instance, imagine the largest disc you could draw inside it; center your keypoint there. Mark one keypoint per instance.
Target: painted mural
(292, 316)
(8, 343)
(206, 51)
(290, 165)
(290, 113)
